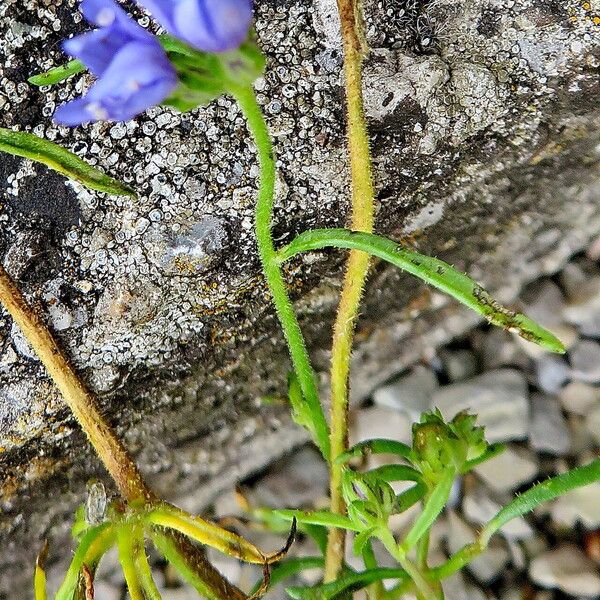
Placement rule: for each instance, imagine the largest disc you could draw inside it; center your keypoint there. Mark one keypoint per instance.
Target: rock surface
(486, 132)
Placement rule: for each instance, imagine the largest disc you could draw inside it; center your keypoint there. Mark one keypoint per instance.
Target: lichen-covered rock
(486, 135)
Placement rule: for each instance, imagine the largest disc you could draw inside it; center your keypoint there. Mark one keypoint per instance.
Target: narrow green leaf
(318, 517)
(126, 538)
(433, 507)
(390, 473)
(93, 545)
(58, 74)
(205, 532)
(169, 545)
(301, 413)
(410, 497)
(56, 157)
(431, 270)
(345, 585)
(288, 568)
(39, 579)
(491, 452)
(376, 446)
(142, 567)
(361, 540)
(542, 492)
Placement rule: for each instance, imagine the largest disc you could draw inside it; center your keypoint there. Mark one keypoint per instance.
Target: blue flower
(132, 68)
(207, 25)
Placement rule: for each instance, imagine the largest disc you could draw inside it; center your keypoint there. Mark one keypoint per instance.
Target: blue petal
(108, 14)
(162, 11)
(74, 113)
(95, 49)
(140, 76)
(213, 25)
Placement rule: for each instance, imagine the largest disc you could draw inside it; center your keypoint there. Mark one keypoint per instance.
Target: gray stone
(585, 362)
(479, 508)
(566, 568)
(508, 471)
(578, 506)
(499, 398)
(548, 429)
(491, 164)
(458, 364)
(411, 394)
(458, 587)
(592, 422)
(379, 422)
(579, 398)
(552, 372)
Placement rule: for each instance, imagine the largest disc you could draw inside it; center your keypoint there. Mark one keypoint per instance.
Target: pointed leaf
(491, 452)
(318, 517)
(56, 157)
(431, 270)
(58, 74)
(542, 492)
(39, 580)
(410, 497)
(345, 585)
(376, 446)
(433, 507)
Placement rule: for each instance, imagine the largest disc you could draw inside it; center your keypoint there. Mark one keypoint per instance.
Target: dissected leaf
(431, 270)
(376, 446)
(58, 74)
(58, 158)
(346, 584)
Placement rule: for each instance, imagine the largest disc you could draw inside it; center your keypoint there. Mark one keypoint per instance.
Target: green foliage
(431, 270)
(56, 157)
(58, 74)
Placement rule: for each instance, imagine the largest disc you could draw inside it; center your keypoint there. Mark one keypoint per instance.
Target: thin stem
(363, 200)
(272, 271)
(376, 590)
(81, 402)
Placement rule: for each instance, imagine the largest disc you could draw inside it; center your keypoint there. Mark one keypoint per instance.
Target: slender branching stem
(363, 196)
(272, 270)
(81, 402)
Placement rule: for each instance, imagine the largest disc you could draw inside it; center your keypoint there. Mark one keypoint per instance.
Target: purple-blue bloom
(132, 68)
(207, 25)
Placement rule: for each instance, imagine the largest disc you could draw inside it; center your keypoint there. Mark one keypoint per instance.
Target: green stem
(376, 590)
(272, 270)
(363, 201)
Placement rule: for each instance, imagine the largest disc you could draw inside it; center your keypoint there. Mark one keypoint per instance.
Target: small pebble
(410, 394)
(579, 398)
(508, 471)
(552, 372)
(548, 429)
(578, 506)
(585, 362)
(568, 569)
(500, 398)
(487, 566)
(458, 364)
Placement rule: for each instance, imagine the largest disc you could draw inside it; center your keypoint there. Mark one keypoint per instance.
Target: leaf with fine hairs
(433, 271)
(27, 145)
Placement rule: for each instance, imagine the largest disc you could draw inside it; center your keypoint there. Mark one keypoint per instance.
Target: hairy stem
(272, 270)
(107, 445)
(81, 402)
(363, 200)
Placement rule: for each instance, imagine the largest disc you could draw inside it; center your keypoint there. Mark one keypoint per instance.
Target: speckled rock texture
(486, 135)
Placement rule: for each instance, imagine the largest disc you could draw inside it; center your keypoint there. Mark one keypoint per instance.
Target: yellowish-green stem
(363, 200)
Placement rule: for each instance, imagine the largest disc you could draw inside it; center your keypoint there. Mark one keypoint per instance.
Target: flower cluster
(132, 69)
